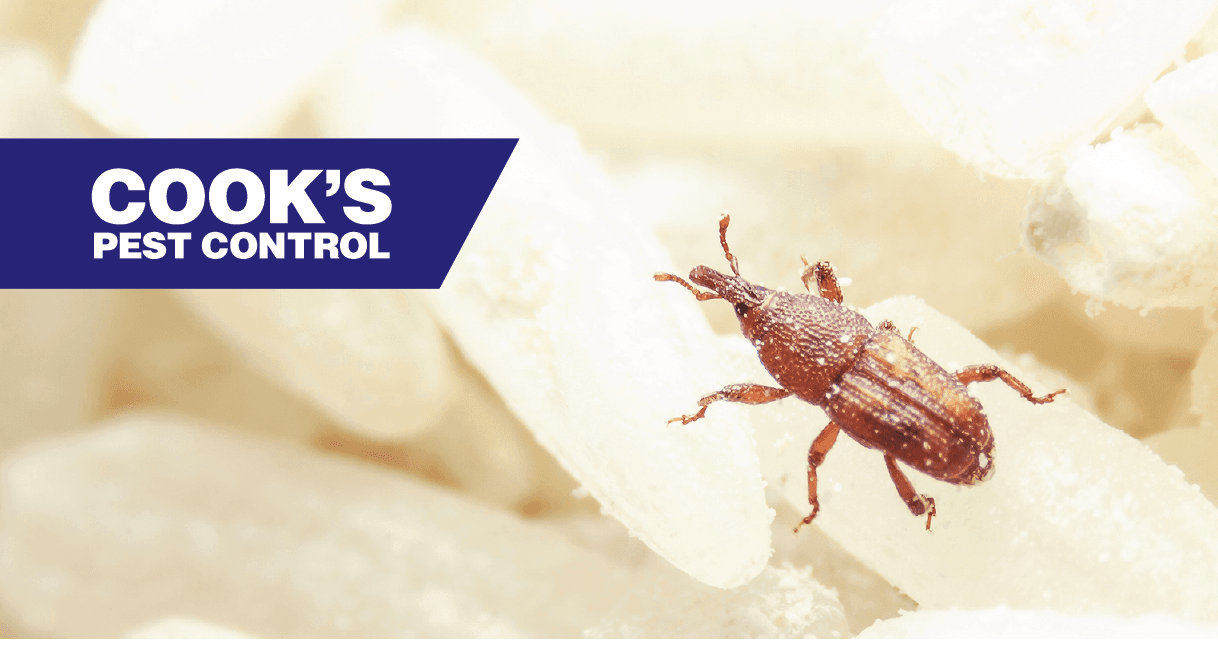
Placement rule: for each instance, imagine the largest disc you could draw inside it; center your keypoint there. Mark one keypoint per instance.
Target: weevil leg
(699, 294)
(816, 455)
(892, 327)
(739, 393)
(826, 281)
(731, 260)
(990, 372)
(917, 503)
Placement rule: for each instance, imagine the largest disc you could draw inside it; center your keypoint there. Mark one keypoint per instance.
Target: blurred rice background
(778, 115)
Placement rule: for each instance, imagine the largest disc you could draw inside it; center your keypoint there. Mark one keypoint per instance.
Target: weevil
(871, 381)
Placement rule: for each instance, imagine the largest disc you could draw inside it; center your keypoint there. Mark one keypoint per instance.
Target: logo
(242, 213)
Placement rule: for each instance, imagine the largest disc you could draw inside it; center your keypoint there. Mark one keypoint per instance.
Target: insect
(871, 381)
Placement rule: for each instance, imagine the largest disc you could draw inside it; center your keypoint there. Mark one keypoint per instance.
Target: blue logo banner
(240, 213)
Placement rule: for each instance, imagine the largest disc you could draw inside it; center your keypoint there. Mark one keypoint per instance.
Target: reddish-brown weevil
(871, 382)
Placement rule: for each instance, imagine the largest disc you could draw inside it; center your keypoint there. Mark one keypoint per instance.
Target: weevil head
(742, 294)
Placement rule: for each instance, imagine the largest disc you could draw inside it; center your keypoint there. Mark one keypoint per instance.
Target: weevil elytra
(871, 381)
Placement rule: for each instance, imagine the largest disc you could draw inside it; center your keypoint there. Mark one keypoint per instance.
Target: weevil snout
(733, 289)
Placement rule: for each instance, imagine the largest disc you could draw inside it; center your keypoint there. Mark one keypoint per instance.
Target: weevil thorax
(805, 342)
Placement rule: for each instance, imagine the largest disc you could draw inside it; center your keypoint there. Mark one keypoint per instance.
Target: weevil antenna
(731, 260)
(699, 294)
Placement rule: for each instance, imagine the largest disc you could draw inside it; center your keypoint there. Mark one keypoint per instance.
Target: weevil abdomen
(896, 399)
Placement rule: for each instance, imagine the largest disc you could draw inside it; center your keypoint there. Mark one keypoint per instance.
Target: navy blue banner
(240, 213)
